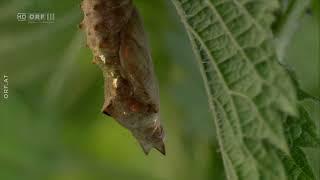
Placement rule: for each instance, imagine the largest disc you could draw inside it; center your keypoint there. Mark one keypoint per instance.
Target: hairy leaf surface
(249, 92)
(300, 133)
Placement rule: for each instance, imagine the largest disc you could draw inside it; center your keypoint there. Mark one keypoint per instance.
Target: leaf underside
(300, 133)
(249, 91)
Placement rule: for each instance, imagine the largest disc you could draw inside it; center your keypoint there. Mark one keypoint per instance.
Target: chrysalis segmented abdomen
(103, 21)
(117, 39)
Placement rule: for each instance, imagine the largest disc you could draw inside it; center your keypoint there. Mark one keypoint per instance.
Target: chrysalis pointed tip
(146, 148)
(146, 152)
(160, 147)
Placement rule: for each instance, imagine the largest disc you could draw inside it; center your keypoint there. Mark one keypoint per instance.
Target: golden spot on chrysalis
(111, 74)
(96, 60)
(102, 58)
(115, 82)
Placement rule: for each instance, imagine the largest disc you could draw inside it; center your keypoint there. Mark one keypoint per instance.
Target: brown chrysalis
(117, 39)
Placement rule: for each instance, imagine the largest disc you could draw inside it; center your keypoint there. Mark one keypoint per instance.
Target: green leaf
(300, 132)
(249, 92)
(297, 166)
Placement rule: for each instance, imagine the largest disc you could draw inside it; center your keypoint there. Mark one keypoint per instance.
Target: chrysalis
(118, 42)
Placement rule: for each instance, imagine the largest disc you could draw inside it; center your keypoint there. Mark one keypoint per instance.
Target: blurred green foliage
(51, 126)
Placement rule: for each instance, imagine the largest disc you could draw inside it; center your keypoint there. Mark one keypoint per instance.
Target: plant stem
(288, 24)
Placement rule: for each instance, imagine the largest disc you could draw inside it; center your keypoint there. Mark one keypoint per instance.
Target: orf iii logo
(22, 16)
(36, 17)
